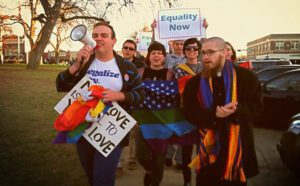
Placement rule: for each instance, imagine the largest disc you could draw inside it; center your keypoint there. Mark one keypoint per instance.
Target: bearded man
(223, 101)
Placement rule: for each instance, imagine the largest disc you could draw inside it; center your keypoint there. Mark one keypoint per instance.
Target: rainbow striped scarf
(209, 146)
(186, 68)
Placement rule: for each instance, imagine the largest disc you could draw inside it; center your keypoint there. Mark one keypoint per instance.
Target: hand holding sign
(108, 129)
(154, 24)
(205, 23)
(110, 95)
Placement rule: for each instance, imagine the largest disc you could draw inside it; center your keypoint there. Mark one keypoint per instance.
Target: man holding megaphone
(100, 63)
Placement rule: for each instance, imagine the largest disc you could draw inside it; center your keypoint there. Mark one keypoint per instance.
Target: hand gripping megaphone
(79, 33)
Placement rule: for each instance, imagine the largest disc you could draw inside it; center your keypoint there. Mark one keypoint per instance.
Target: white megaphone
(79, 33)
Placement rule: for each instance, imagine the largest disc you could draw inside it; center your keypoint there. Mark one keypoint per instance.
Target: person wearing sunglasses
(176, 56)
(192, 66)
(223, 102)
(129, 51)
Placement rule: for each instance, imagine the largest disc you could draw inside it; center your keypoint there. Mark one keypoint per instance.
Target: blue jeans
(99, 169)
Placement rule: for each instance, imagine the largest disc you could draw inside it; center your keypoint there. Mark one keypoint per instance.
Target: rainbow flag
(160, 117)
(71, 136)
(72, 122)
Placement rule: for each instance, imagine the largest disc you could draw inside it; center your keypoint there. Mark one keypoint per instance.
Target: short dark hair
(130, 41)
(155, 46)
(192, 41)
(102, 23)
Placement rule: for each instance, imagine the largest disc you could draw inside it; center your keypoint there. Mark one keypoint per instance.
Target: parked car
(281, 99)
(245, 64)
(289, 145)
(258, 64)
(270, 72)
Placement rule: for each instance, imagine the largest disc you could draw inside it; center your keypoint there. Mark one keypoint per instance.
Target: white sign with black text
(73, 94)
(144, 40)
(108, 132)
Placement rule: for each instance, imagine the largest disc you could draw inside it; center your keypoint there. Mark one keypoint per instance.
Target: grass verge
(27, 156)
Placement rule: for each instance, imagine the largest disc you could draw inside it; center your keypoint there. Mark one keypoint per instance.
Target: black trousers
(187, 151)
(149, 160)
(209, 176)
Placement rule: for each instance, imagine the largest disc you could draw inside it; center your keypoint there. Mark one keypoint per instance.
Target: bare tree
(4, 28)
(48, 14)
(52, 11)
(60, 37)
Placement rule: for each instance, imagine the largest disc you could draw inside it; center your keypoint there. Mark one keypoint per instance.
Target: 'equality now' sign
(179, 23)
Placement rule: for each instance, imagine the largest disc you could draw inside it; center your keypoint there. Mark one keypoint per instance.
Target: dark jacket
(138, 63)
(132, 85)
(249, 106)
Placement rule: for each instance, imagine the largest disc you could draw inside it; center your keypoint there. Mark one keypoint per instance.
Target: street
(272, 170)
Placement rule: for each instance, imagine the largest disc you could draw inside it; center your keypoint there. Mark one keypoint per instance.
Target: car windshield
(263, 64)
(288, 82)
(270, 73)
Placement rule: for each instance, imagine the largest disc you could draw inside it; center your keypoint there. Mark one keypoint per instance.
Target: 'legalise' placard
(107, 133)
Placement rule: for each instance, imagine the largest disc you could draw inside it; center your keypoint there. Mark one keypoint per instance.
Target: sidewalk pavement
(272, 170)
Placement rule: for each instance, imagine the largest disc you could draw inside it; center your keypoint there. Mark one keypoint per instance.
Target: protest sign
(179, 24)
(144, 40)
(72, 95)
(107, 133)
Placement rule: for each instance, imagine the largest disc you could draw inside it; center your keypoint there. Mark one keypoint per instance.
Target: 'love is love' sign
(107, 133)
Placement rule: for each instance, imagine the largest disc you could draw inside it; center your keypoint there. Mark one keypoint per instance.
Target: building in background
(13, 49)
(63, 57)
(285, 46)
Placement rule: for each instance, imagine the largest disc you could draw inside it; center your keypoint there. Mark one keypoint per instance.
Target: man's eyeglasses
(128, 48)
(209, 52)
(191, 48)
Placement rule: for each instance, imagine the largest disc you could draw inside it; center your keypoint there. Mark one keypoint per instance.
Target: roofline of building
(274, 36)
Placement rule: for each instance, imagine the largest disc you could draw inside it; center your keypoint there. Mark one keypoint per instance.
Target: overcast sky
(237, 21)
